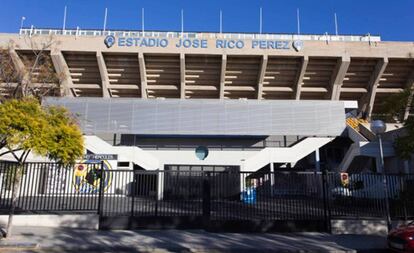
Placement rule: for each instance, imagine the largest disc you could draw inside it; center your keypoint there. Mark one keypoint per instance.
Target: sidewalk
(74, 240)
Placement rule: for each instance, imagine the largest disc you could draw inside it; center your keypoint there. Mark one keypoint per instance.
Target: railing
(258, 146)
(218, 194)
(198, 35)
(49, 187)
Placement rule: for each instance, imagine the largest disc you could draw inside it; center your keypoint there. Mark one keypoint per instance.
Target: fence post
(206, 197)
(326, 208)
(101, 188)
(134, 186)
(157, 197)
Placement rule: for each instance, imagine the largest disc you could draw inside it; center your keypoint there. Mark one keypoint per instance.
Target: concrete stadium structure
(284, 78)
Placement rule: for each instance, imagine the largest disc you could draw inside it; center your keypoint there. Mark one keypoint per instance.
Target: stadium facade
(219, 101)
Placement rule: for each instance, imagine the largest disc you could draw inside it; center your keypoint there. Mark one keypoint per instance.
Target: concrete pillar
(261, 76)
(242, 181)
(63, 72)
(272, 179)
(300, 75)
(338, 77)
(182, 75)
(160, 185)
(143, 75)
(223, 75)
(368, 99)
(317, 161)
(409, 85)
(104, 74)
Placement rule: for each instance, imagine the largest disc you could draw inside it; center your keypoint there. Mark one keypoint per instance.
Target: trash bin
(249, 195)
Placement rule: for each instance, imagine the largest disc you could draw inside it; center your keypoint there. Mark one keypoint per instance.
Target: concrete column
(272, 178)
(62, 69)
(369, 99)
(317, 161)
(160, 185)
(338, 76)
(409, 85)
(300, 75)
(18, 63)
(182, 76)
(143, 75)
(223, 75)
(242, 181)
(104, 74)
(261, 76)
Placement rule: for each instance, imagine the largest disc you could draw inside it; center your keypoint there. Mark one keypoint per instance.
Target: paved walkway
(75, 240)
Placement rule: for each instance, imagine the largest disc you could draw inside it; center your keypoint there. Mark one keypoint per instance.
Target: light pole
(378, 127)
(22, 23)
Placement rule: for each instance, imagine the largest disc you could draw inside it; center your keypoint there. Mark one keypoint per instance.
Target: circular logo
(109, 41)
(88, 174)
(201, 152)
(298, 45)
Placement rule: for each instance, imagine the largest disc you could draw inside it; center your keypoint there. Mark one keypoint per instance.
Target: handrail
(198, 35)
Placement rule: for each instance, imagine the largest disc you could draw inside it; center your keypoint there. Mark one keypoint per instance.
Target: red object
(401, 239)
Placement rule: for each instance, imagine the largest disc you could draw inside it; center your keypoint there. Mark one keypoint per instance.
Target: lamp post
(378, 127)
(21, 24)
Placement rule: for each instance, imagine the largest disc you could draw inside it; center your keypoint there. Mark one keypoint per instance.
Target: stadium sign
(111, 41)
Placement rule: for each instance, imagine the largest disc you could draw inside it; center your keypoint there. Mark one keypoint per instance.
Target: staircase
(125, 153)
(285, 155)
(365, 144)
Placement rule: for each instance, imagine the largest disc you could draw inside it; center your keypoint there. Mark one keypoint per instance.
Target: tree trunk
(17, 178)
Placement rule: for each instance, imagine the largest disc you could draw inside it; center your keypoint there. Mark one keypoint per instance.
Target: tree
(26, 126)
(28, 73)
(394, 108)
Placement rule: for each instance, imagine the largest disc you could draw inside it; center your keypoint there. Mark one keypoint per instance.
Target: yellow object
(344, 179)
(354, 122)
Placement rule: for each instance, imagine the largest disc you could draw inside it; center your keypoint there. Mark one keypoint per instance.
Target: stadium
(252, 132)
(175, 100)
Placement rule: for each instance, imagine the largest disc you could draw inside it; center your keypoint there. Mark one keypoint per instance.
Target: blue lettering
(231, 44)
(203, 43)
(129, 42)
(121, 42)
(196, 43)
(164, 43)
(151, 42)
(143, 42)
(187, 43)
(255, 43)
(219, 43)
(239, 44)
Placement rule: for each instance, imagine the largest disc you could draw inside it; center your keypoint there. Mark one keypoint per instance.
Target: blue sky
(393, 20)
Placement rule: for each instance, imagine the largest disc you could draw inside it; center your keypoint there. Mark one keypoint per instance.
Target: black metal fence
(213, 196)
(49, 187)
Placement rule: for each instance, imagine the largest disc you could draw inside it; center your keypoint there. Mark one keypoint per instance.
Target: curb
(180, 249)
(18, 245)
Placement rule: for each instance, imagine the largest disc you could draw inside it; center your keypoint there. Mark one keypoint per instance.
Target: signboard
(344, 179)
(100, 157)
(88, 174)
(142, 42)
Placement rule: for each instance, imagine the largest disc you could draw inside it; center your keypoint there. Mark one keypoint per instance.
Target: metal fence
(215, 196)
(49, 187)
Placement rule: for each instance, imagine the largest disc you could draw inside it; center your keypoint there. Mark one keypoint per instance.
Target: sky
(392, 19)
